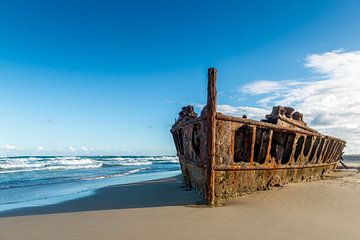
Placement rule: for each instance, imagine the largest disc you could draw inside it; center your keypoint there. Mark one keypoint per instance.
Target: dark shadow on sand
(156, 193)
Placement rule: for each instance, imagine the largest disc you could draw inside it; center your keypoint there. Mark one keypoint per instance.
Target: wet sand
(327, 209)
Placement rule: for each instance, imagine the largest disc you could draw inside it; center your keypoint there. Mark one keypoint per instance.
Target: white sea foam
(51, 168)
(138, 161)
(12, 165)
(84, 161)
(16, 165)
(24, 164)
(115, 175)
(135, 163)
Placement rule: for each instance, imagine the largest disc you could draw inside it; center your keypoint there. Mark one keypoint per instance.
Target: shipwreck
(224, 156)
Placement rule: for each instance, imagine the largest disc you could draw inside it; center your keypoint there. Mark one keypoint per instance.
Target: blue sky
(109, 77)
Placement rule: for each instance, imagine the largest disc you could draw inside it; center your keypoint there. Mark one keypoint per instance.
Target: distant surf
(32, 181)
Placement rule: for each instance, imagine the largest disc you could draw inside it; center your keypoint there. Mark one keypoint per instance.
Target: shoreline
(162, 209)
(84, 189)
(120, 196)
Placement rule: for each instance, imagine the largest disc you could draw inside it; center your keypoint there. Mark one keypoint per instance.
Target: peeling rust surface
(223, 157)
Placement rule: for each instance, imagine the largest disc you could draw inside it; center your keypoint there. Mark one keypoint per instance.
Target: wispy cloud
(330, 101)
(250, 112)
(266, 86)
(9, 147)
(40, 148)
(85, 149)
(71, 149)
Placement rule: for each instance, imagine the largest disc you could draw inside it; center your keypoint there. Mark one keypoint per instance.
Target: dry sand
(327, 209)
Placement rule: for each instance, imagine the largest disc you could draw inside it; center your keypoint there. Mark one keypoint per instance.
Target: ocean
(352, 161)
(28, 181)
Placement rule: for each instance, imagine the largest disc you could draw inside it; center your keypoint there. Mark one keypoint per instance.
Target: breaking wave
(12, 165)
(115, 175)
(24, 179)
(28, 164)
(140, 161)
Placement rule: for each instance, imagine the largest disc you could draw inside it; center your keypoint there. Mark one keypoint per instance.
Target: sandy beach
(162, 209)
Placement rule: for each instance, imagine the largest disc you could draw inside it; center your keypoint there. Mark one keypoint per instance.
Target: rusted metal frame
(292, 160)
(332, 151)
(199, 119)
(211, 136)
(321, 154)
(314, 160)
(232, 147)
(176, 140)
(323, 151)
(342, 151)
(339, 151)
(328, 151)
(307, 158)
(263, 147)
(325, 154)
(296, 124)
(301, 156)
(268, 159)
(220, 116)
(333, 154)
(252, 149)
(240, 168)
(180, 149)
(318, 151)
(194, 163)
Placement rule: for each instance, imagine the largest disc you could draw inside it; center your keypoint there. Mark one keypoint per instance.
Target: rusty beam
(211, 135)
(252, 149)
(301, 158)
(315, 158)
(334, 149)
(268, 149)
(220, 116)
(333, 157)
(307, 159)
(323, 151)
(292, 160)
(261, 167)
(241, 168)
(285, 119)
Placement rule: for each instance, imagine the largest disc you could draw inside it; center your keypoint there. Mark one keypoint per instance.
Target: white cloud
(40, 148)
(9, 147)
(85, 149)
(71, 149)
(331, 103)
(266, 86)
(250, 112)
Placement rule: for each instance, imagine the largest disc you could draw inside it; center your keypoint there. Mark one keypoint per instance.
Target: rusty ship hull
(223, 156)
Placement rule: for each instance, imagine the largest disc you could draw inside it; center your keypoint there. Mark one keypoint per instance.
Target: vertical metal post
(252, 148)
(268, 149)
(211, 134)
